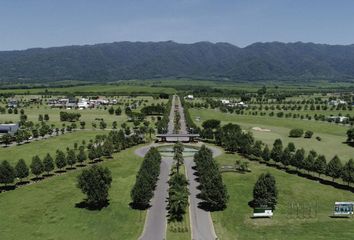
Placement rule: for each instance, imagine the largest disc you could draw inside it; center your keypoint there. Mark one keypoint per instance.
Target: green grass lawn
(87, 115)
(333, 136)
(235, 222)
(46, 210)
(50, 145)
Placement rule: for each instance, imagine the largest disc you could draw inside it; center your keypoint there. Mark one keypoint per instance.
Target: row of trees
(145, 183)
(213, 191)
(102, 146)
(233, 139)
(162, 125)
(178, 188)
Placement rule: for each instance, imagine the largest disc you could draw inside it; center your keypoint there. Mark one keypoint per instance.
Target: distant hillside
(146, 60)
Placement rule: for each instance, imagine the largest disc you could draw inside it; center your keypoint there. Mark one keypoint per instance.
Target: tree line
(213, 191)
(178, 188)
(146, 179)
(102, 146)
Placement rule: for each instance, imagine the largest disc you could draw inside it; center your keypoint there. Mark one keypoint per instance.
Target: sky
(46, 23)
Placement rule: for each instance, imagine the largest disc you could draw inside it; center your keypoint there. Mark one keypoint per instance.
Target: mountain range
(202, 60)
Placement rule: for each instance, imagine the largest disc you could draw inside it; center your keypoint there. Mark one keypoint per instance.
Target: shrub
(308, 134)
(296, 133)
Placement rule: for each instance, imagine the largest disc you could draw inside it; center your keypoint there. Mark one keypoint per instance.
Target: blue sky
(44, 23)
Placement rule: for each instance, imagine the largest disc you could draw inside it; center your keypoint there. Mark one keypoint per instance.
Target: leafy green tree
(48, 163)
(7, 173)
(277, 150)
(320, 165)
(257, 149)
(92, 154)
(291, 147)
(95, 183)
(111, 110)
(350, 135)
(81, 157)
(211, 124)
(60, 159)
(308, 134)
(265, 192)
(118, 111)
(296, 132)
(107, 148)
(266, 153)
(309, 163)
(71, 158)
(22, 171)
(6, 139)
(298, 159)
(334, 168)
(348, 172)
(36, 166)
(286, 157)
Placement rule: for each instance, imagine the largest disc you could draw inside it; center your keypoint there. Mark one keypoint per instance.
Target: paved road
(201, 223)
(156, 220)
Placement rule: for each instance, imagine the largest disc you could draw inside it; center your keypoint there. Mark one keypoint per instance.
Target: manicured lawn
(89, 116)
(332, 135)
(46, 210)
(235, 221)
(50, 145)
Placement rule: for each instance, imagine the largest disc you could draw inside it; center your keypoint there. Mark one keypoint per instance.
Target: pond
(167, 151)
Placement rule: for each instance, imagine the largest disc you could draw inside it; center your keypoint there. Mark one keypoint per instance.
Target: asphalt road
(201, 223)
(156, 220)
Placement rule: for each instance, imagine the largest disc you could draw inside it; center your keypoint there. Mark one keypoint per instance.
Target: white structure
(339, 119)
(10, 128)
(225, 101)
(337, 102)
(189, 97)
(83, 103)
(343, 208)
(257, 212)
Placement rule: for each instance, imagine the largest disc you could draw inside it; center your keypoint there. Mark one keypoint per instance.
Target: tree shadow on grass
(37, 179)
(350, 144)
(60, 171)
(7, 188)
(137, 206)
(48, 175)
(92, 206)
(22, 183)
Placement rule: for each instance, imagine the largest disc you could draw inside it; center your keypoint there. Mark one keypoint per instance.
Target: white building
(337, 102)
(225, 101)
(189, 97)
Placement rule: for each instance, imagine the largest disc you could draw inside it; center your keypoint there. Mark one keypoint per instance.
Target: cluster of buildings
(337, 102)
(228, 103)
(81, 104)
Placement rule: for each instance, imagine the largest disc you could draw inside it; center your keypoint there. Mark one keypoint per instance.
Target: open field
(46, 210)
(89, 115)
(50, 145)
(333, 136)
(235, 221)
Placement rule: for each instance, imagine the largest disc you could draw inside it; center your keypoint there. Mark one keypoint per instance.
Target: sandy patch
(261, 129)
